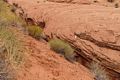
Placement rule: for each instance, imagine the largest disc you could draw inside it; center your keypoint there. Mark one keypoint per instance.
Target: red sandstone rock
(97, 28)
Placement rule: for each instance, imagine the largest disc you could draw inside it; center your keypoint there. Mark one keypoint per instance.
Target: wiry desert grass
(98, 71)
(11, 42)
(12, 45)
(11, 51)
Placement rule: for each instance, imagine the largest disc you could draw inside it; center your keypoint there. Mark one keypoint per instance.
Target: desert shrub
(62, 47)
(11, 18)
(98, 71)
(8, 15)
(12, 45)
(35, 31)
(11, 48)
(11, 55)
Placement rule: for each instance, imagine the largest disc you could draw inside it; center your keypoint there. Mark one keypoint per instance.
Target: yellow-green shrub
(11, 53)
(10, 17)
(60, 46)
(35, 31)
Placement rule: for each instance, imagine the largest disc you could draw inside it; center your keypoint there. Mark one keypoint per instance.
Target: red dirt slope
(44, 64)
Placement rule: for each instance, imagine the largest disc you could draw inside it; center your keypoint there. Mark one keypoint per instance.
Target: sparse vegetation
(98, 71)
(60, 46)
(35, 31)
(12, 45)
(7, 15)
(11, 48)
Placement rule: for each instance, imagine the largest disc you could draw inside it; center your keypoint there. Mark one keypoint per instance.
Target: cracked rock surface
(93, 30)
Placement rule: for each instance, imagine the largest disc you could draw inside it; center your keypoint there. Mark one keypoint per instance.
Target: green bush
(98, 71)
(35, 31)
(62, 47)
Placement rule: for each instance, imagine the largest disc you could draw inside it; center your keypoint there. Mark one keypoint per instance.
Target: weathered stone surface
(91, 29)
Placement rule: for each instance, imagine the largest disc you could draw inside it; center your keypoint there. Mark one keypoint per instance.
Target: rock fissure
(87, 56)
(85, 36)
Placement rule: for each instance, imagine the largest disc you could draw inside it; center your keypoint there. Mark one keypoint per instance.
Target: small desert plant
(60, 46)
(98, 71)
(12, 45)
(11, 48)
(11, 18)
(10, 55)
(7, 14)
(35, 31)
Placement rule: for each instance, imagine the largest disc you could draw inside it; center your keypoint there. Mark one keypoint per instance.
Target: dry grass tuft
(11, 49)
(98, 71)
(12, 45)
(8, 16)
